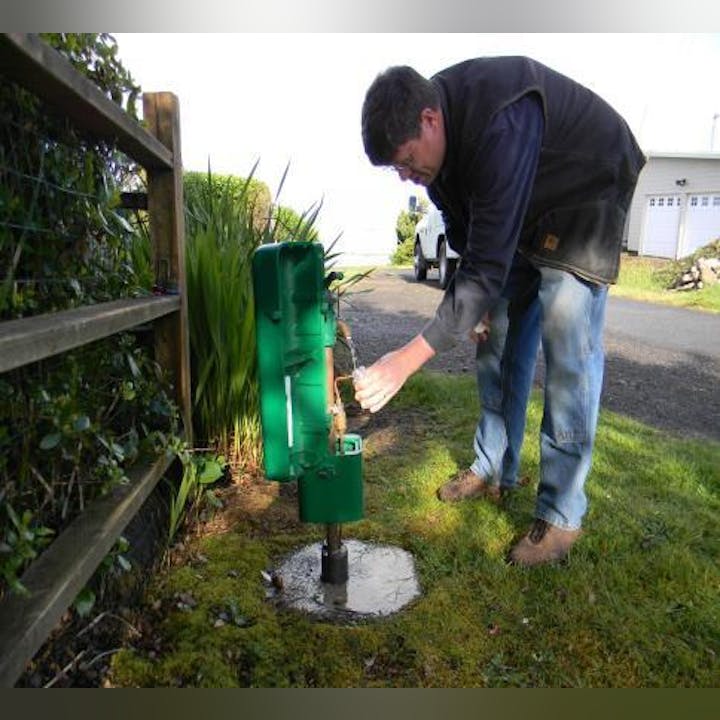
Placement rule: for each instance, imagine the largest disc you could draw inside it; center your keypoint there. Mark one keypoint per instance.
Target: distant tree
(405, 232)
(407, 220)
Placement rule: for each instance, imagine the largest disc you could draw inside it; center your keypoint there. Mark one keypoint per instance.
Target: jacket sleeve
(498, 188)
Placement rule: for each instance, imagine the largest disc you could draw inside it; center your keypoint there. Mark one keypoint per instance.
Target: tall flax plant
(222, 232)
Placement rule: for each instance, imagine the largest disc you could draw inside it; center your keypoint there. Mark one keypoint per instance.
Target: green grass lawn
(636, 605)
(639, 280)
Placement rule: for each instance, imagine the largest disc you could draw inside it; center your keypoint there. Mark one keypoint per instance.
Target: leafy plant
(63, 239)
(71, 427)
(20, 542)
(113, 564)
(95, 56)
(199, 471)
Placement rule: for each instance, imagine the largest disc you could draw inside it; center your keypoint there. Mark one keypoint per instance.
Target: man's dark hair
(391, 111)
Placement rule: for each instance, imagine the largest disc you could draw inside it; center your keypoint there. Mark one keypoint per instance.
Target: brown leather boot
(466, 485)
(544, 543)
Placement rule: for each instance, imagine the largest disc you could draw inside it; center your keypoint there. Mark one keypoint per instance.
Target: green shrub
(405, 232)
(403, 254)
(249, 194)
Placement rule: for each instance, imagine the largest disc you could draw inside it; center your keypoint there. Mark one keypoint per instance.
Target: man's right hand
(382, 380)
(481, 332)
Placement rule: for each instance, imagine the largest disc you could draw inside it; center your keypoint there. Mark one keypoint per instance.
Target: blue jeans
(569, 314)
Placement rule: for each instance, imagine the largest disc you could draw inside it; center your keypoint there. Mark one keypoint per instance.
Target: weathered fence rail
(62, 570)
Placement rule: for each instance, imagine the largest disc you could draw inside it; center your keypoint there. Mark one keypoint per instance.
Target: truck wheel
(419, 264)
(446, 267)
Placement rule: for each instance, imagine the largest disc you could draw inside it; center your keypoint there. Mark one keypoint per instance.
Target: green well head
(295, 325)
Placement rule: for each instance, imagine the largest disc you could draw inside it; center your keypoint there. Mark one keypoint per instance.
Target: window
(661, 202)
(652, 202)
(705, 201)
(716, 201)
(693, 201)
(670, 202)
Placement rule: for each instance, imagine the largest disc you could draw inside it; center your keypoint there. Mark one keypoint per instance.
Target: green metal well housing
(295, 323)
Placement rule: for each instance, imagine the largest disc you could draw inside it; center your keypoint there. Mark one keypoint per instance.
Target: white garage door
(702, 222)
(662, 220)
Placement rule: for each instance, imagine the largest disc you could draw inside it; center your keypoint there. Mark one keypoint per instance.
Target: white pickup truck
(432, 250)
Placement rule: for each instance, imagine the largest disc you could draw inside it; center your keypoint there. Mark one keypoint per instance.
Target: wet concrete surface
(381, 581)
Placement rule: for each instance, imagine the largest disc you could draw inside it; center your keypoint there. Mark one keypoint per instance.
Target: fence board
(30, 339)
(44, 71)
(56, 577)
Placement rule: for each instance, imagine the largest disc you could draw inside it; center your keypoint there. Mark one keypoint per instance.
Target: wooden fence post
(167, 228)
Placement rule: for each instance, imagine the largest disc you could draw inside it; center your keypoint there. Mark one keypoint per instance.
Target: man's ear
(430, 117)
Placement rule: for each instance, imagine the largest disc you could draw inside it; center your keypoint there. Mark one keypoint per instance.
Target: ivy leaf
(128, 390)
(81, 423)
(210, 472)
(84, 602)
(123, 545)
(134, 369)
(50, 441)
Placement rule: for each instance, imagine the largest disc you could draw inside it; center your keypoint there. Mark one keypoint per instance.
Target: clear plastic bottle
(358, 373)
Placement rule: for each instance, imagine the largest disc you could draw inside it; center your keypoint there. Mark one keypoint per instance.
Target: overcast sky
(296, 98)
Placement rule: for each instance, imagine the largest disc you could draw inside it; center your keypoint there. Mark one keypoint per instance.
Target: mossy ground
(636, 605)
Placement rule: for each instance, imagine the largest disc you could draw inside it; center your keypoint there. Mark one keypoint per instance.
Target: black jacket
(586, 172)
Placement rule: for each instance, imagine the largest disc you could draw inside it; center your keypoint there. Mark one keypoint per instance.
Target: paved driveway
(663, 363)
(664, 327)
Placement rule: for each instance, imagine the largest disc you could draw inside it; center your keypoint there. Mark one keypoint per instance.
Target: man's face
(420, 159)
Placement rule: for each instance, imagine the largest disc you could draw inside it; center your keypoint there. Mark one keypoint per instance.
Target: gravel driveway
(652, 378)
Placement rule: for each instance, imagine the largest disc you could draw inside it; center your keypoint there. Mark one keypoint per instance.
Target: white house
(676, 206)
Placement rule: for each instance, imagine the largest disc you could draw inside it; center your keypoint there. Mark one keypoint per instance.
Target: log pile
(704, 272)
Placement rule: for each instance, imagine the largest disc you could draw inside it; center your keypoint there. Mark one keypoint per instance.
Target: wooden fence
(63, 569)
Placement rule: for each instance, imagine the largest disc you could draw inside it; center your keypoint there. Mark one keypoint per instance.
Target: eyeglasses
(406, 164)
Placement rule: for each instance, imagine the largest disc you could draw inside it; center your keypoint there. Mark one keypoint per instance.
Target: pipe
(334, 560)
(334, 564)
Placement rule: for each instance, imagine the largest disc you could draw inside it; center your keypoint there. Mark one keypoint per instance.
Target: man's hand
(381, 381)
(481, 332)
